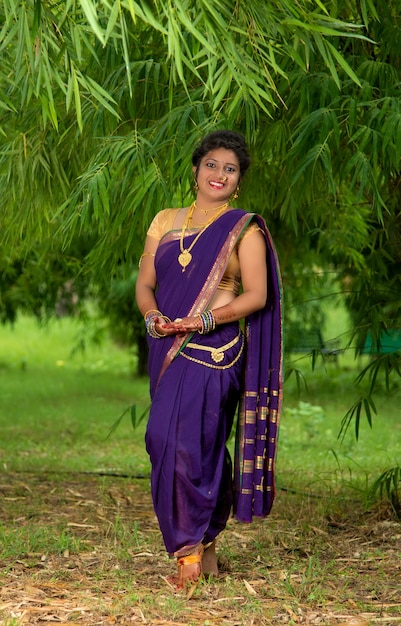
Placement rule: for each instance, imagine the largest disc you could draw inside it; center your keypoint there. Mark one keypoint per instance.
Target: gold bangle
(167, 320)
(144, 254)
(158, 313)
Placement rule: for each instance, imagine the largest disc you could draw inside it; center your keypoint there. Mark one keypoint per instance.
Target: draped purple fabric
(261, 396)
(194, 399)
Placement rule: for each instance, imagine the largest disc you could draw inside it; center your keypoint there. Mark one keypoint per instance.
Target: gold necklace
(185, 256)
(206, 211)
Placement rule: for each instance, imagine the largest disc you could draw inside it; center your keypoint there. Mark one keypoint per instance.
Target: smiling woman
(217, 176)
(201, 364)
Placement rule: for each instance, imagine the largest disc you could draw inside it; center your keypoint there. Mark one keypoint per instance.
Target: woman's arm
(252, 260)
(146, 285)
(146, 280)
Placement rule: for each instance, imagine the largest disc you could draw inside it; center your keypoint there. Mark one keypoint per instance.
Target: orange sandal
(181, 580)
(190, 559)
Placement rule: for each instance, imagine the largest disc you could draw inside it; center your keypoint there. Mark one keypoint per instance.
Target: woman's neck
(204, 212)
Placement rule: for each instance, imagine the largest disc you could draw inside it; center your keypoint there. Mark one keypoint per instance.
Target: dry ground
(86, 550)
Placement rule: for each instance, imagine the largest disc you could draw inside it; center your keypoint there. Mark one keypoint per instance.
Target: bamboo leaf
(131, 8)
(357, 418)
(133, 416)
(368, 7)
(343, 63)
(36, 16)
(190, 26)
(100, 94)
(69, 92)
(77, 97)
(321, 5)
(118, 421)
(124, 35)
(89, 9)
(144, 12)
(113, 17)
(321, 45)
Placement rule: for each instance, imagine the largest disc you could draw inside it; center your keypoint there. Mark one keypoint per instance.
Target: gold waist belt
(217, 354)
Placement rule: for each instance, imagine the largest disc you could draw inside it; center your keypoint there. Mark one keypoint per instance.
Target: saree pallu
(196, 382)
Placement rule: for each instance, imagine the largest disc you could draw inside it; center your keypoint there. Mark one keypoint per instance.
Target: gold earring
(236, 193)
(196, 186)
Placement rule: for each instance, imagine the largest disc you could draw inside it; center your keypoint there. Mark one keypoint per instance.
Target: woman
(201, 364)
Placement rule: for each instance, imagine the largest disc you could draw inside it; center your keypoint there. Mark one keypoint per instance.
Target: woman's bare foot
(209, 560)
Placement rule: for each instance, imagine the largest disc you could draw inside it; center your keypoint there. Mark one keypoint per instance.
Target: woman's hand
(181, 326)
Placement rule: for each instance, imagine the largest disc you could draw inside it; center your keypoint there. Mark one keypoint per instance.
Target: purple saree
(195, 392)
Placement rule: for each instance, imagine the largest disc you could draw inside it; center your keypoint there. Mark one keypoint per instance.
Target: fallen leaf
(354, 622)
(250, 588)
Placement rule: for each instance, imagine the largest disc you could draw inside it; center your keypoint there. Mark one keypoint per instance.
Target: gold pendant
(217, 355)
(184, 259)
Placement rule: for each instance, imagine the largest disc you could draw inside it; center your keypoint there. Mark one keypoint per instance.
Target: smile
(216, 184)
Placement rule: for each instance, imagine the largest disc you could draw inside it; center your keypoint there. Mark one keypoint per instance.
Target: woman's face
(218, 175)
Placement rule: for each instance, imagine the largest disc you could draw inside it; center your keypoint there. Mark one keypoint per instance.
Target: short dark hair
(224, 139)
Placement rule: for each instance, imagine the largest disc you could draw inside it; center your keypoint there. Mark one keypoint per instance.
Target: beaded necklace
(185, 256)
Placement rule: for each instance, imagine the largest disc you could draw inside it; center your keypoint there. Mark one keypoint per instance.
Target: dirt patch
(87, 550)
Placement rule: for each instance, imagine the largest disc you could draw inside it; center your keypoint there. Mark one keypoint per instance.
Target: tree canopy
(104, 102)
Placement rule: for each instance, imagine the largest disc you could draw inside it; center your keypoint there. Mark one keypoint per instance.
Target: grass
(310, 426)
(86, 549)
(58, 406)
(311, 421)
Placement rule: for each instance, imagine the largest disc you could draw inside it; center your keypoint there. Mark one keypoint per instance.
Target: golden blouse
(163, 222)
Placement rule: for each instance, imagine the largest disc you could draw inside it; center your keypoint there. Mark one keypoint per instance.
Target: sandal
(183, 562)
(191, 559)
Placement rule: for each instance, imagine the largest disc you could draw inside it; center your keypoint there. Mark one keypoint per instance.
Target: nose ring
(224, 179)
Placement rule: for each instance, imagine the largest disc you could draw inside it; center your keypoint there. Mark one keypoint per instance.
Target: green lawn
(57, 407)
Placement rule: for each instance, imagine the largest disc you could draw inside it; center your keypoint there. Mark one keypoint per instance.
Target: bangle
(151, 328)
(144, 254)
(150, 323)
(152, 313)
(208, 323)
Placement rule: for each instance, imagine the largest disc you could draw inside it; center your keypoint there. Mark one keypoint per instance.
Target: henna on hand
(224, 313)
(184, 325)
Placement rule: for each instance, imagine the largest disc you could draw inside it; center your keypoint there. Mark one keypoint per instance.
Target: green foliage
(135, 421)
(383, 372)
(388, 486)
(311, 416)
(43, 283)
(143, 83)
(365, 404)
